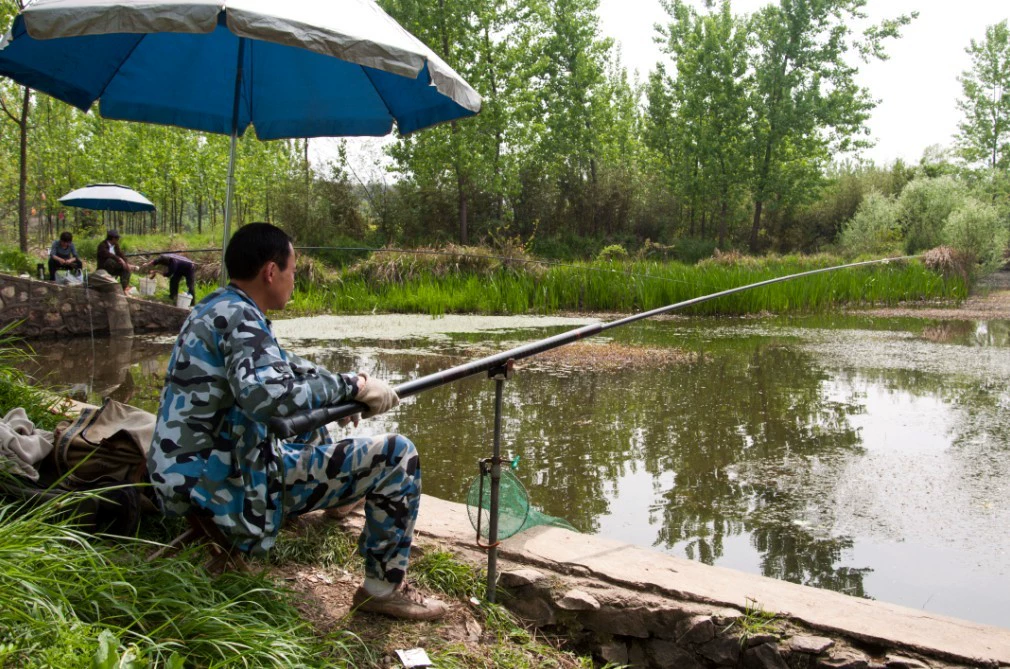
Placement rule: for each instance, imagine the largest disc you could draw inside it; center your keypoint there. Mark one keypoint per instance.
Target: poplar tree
(805, 103)
(710, 97)
(984, 136)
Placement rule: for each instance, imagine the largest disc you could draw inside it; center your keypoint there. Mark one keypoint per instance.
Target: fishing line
(299, 423)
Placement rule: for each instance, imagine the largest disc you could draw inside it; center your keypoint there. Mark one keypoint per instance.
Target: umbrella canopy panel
(310, 68)
(107, 197)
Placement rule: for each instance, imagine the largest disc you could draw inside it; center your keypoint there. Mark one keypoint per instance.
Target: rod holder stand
(499, 374)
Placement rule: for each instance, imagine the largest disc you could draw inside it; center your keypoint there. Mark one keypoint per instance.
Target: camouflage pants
(383, 469)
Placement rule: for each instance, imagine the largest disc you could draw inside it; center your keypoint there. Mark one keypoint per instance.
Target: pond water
(864, 455)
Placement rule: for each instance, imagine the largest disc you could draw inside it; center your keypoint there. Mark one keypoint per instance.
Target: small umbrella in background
(290, 68)
(107, 197)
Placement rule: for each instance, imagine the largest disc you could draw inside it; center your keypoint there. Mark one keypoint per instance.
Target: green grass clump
(68, 599)
(14, 261)
(756, 621)
(15, 391)
(635, 286)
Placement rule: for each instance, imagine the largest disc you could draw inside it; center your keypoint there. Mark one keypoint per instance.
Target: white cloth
(21, 445)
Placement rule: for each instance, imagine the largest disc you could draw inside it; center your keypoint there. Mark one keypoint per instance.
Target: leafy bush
(923, 209)
(612, 252)
(874, 229)
(655, 251)
(979, 232)
(690, 250)
(16, 262)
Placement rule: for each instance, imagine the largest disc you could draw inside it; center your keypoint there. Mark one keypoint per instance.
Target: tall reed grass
(634, 286)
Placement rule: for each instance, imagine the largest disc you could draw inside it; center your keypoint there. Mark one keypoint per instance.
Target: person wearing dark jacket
(112, 260)
(176, 268)
(63, 255)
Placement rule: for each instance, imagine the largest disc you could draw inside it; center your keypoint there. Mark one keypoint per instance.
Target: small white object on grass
(414, 657)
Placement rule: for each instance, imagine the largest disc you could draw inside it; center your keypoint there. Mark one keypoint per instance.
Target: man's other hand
(377, 394)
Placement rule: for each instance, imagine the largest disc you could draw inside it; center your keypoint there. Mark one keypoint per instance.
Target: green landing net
(514, 511)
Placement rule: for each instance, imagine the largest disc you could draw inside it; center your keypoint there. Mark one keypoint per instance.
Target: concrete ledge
(651, 573)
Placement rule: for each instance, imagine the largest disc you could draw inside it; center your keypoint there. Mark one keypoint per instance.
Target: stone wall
(629, 605)
(51, 310)
(637, 629)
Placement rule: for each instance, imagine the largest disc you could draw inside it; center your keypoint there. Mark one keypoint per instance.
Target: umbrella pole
(227, 206)
(229, 191)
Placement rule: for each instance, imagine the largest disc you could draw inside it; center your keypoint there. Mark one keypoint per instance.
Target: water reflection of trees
(720, 425)
(739, 432)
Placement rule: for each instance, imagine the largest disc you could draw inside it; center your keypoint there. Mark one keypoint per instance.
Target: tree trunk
(760, 196)
(461, 187)
(499, 200)
(23, 175)
(308, 184)
(723, 221)
(756, 225)
(460, 177)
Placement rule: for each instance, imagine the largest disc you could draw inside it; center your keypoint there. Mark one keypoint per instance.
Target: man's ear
(267, 272)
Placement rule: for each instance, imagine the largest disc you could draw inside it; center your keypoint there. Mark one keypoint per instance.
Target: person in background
(63, 255)
(176, 268)
(112, 260)
(212, 454)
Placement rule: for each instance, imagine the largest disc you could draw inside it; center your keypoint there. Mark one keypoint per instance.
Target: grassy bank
(619, 287)
(487, 281)
(69, 599)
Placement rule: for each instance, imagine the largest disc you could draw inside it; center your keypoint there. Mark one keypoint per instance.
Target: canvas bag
(106, 445)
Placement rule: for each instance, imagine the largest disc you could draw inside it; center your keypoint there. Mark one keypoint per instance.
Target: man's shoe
(404, 602)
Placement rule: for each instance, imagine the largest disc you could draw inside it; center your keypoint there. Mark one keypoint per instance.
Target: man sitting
(212, 454)
(112, 260)
(63, 255)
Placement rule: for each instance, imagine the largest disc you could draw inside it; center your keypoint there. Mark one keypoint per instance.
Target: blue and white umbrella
(107, 197)
(289, 68)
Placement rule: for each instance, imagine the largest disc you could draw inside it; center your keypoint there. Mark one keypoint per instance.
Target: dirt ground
(990, 299)
(460, 639)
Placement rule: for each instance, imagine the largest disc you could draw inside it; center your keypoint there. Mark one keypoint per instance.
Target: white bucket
(147, 286)
(183, 300)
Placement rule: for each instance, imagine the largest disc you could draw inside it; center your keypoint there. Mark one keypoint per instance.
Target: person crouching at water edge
(212, 454)
(176, 268)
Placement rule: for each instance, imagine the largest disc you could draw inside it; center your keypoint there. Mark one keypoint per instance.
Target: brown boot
(404, 602)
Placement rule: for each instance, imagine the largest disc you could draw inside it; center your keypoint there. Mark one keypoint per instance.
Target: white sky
(917, 87)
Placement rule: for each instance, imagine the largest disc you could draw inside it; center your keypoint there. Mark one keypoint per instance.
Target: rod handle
(283, 427)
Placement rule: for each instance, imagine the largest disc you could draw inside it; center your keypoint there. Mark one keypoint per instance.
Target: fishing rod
(306, 421)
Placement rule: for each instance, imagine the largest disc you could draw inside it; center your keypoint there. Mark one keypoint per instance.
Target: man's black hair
(66, 236)
(253, 246)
